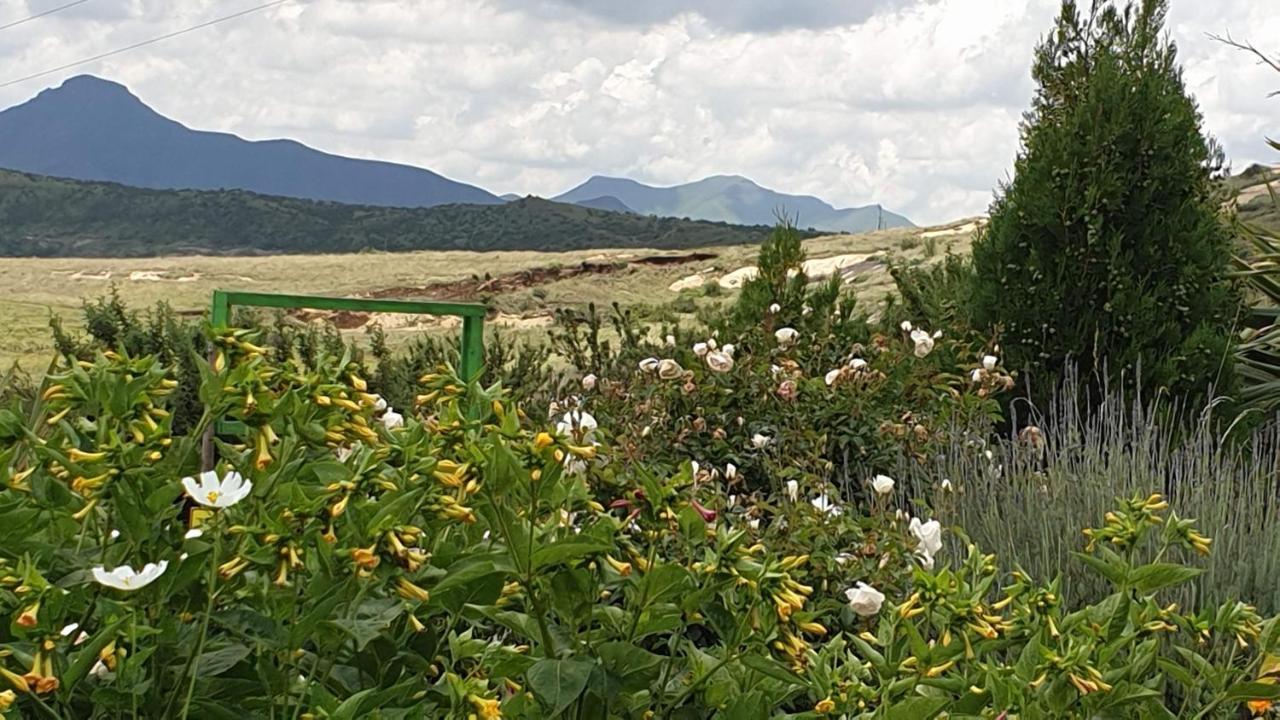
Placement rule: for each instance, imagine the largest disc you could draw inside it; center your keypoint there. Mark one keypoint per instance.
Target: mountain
(1254, 200)
(46, 216)
(733, 199)
(605, 202)
(94, 129)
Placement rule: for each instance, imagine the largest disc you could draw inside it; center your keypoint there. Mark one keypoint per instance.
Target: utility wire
(144, 43)
(37, 16)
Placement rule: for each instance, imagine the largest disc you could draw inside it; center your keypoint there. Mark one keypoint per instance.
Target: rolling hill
(94, 129)
(733, 199)
(48, 217)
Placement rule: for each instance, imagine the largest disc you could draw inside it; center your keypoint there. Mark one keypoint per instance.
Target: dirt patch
(477, 288)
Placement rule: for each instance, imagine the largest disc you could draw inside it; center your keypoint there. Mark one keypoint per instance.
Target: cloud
(912, 104)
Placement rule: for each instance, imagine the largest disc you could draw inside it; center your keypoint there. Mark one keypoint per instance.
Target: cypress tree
(1108, 248)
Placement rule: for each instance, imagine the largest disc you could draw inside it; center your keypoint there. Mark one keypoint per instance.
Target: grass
(1030, 504)
(33, 289)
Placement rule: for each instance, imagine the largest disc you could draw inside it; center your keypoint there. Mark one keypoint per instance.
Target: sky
(914, 104)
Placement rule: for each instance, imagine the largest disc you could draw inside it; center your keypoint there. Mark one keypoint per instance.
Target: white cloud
(912, 104)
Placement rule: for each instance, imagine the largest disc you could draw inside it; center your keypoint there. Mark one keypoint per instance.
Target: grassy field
(31, 290)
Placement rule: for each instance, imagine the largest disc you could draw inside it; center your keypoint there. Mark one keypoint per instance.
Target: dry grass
(33, 289)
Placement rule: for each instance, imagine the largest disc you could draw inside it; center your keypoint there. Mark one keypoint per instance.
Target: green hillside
(1256, 204)
(51, 217)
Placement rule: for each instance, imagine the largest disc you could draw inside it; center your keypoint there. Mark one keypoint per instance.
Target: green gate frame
(472, 347)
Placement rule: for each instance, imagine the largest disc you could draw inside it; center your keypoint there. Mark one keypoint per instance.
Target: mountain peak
(90, 128)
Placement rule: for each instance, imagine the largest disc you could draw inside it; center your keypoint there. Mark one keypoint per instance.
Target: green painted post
(220, 313)
(472, 348)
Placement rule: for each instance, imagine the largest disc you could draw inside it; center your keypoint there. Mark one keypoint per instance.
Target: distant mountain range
(732, 199)
(94, 129)
(44, 216)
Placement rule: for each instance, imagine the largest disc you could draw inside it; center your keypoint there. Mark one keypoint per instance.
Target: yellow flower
(825, 706)
(488, 709)
(543, 440)
(7, 699)
(1256, 707)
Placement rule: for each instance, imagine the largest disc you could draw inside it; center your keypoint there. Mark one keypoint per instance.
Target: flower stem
(193, 661)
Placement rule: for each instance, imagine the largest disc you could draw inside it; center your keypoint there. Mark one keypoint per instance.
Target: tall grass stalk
(1028, 501)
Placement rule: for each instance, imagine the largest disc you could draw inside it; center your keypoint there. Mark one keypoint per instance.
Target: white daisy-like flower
(126, 578)
(215, 492)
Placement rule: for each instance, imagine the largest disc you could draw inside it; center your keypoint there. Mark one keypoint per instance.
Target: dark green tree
(1108, 249)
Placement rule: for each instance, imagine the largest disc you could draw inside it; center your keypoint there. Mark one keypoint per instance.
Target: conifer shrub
(1108, 248)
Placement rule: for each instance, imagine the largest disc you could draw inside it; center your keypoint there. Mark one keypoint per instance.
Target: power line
(144, 43)
(37, 16)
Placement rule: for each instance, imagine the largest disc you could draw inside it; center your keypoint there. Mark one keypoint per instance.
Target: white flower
(844, 558)
(693, 468)
(759, 440)
(579, 424)
(793, 490)
(977, 374)
(711, 343)
(857, 364)
(730, 472)
(906, 326)
(775, 309)
(786, 336)
(380, 404)
(864, 599)
(700, 349)
(754, 523)
(806, 310)
(649, 364)
(728, 349)
(343, 452)
(832, 377)
(946, 484)
(882, 484)
(923, 342)
(392, 419)
(644, 432)
(989, 362)
(775, 370)
(589, 381)
(125, 578)
(669, 370)
(99, 671)
(671, 340)
(719, 361)
(211, 491)
(114, 534)
(67, 630)
(826, 505)
(193, 533)
(929, 537)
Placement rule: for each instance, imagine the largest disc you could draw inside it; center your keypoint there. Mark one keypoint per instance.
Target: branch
(1263, 58)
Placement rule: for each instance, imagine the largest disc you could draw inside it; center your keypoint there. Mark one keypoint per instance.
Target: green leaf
(216, 662)
(916, 708)
(565, 550)
(772, 668)
(1155, 576)
(557, 683)
(1253, 691)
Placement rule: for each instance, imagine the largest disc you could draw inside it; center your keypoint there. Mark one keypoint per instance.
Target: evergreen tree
(1108, 249)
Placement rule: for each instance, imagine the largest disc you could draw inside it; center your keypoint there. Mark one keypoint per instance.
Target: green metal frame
(472, 349)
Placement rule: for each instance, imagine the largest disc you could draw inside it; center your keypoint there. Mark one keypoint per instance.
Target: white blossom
(392, 419)
(923, 343)
(669, 369)
(989, 362)
(700, 349)
(793, 490)
(649, 364)
(589, 382)
(126, 578)
(719, 361)
(882, 484)
(759, 440)
(864, 599)
(786, 336)
(217, 492)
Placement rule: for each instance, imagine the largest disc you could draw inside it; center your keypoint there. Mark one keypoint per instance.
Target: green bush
(1107, 249)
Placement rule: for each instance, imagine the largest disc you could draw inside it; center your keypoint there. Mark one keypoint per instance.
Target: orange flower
(1259, 707)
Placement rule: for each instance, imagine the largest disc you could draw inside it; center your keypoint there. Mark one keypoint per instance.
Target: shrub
(1108, 245)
